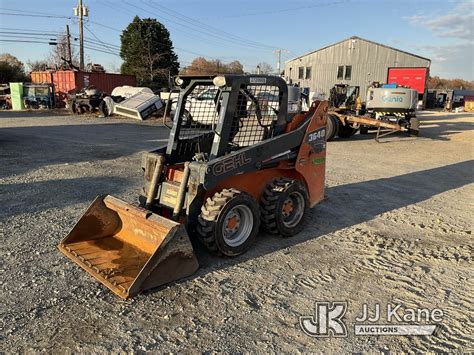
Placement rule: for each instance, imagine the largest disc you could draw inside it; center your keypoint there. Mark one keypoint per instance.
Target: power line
(25, 35)
(200, 30)
(26, 11)
(178, 48)
(45, 15)
(31, 34)
(93, 34)
(116, 7)
(33, 15)
(50, 43)
(278, 11)
(22, 41)
(203, 25)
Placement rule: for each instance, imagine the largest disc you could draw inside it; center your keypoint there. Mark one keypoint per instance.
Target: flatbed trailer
(349, 124)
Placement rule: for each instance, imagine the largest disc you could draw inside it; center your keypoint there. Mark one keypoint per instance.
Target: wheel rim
(292, 209)
(237, 225)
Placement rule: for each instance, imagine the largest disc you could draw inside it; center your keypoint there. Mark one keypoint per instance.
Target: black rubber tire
(103, 109)
(346, 131)
(332, 127)
(211, 219)
(72, 106)
(271, 206)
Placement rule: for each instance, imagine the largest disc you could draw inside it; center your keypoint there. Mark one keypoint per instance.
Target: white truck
(395, 102)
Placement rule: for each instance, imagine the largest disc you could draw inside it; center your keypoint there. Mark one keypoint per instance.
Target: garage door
(414, 78)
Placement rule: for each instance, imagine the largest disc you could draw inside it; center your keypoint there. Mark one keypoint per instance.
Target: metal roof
(362, 39)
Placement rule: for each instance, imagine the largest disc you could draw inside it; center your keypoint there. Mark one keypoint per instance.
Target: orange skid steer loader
(241, 155)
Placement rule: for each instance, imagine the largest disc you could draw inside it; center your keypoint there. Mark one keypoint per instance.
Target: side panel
(64, 81)
(311, 159)
(40, 77)
(254, 182)
(107, 81)
(415, 78)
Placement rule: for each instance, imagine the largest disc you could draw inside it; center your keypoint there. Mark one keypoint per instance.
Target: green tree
(11, 69)
(147, 52)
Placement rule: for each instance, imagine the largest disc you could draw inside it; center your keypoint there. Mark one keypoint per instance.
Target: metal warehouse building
(357, 62)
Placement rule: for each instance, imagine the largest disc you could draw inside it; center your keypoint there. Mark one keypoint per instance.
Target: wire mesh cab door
(256, 109)
(195, 119)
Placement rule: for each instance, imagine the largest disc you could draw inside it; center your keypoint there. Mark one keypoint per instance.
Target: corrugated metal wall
(370, 62)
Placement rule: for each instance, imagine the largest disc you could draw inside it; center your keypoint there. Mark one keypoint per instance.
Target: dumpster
(68, 81)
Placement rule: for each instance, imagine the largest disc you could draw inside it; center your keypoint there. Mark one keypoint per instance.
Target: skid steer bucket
(129, 249)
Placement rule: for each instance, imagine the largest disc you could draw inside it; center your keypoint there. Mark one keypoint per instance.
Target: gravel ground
(396, 228)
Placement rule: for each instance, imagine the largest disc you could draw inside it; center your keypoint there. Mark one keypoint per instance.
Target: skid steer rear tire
(214, 228)
(277, 196)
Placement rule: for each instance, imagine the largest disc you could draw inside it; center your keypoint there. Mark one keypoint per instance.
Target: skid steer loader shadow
(351, 204)
(33, 197)
(23, 149)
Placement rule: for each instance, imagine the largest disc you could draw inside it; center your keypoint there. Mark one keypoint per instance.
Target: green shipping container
(16, 90)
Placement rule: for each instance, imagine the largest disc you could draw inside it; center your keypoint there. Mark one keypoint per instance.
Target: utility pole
(81, 11)
(278, 53)
(69, 53)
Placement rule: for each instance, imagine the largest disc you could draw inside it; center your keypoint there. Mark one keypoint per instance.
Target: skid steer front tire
(229, 221)
(284, 207)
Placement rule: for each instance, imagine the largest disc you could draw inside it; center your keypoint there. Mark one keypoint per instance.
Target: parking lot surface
(395, 228)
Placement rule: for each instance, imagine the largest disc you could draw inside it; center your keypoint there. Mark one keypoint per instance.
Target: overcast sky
(250, 30)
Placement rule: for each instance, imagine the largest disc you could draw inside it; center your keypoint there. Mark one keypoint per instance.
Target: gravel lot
(396, 228)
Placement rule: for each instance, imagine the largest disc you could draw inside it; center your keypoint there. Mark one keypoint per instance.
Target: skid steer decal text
(230, 163)
(317, 140)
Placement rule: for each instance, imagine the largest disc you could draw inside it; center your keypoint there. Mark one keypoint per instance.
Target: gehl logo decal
(230, 163)
(327, 320)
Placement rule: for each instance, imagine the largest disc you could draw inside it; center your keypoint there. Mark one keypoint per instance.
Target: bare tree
(211, 67)
(37, 65)
(59, 56)
(263, 68)
(436, 82)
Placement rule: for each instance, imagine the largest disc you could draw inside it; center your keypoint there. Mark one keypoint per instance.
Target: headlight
(178, 81)
(219, 81)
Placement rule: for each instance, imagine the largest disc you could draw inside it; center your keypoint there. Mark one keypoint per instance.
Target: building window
(340, 72)
(300, 72)
(348, 72)
(308, 73)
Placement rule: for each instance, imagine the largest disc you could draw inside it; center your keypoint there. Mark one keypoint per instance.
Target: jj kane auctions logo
(328, 320)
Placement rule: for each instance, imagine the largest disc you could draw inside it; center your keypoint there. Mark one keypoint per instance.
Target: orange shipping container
(66, 81)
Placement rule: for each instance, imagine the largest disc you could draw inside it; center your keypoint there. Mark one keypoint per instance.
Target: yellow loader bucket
(129, 249)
